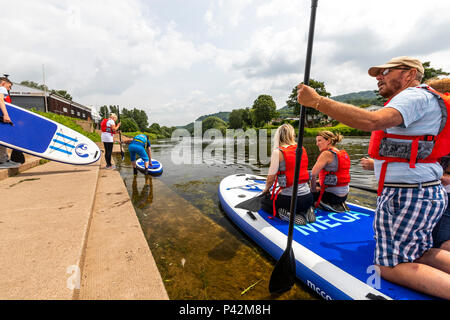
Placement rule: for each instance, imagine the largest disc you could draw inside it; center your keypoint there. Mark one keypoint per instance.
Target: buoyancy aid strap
(414, 150)
(322, 190)
(382, 176)
(275, 197)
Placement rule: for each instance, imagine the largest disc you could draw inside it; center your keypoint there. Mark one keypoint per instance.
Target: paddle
(252, 204)
(283, 275)
(120, 136)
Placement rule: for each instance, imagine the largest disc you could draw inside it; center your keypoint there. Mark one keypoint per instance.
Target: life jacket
(140, 139)
(285, 179)
(420, 149)
(339, 178)
(105, 128)
(7, 98)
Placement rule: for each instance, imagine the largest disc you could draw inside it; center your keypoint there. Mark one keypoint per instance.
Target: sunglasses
(386, 71)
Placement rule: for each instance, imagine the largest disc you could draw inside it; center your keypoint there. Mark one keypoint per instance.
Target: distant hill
(358, 98)
(355, 98)
(224, 115)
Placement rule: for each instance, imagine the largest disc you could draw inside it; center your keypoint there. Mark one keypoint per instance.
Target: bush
(70, 123)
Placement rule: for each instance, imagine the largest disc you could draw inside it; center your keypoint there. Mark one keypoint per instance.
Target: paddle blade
(122, 154)
(253, 204)
(283, 275)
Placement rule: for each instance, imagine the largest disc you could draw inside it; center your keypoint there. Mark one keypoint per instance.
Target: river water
(199, 252)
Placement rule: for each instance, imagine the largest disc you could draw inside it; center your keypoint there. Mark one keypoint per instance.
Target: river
(199, 252)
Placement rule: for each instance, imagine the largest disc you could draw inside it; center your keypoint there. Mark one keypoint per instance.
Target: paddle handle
(301, 127)
(1, 121)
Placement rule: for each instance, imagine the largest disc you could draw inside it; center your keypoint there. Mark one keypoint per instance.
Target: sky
(180, 59)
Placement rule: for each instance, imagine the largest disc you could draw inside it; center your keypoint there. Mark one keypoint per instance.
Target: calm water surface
(200, 253)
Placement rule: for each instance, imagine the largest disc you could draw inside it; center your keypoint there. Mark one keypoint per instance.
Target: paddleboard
(156, 170)
(34, 134)
(333, 256)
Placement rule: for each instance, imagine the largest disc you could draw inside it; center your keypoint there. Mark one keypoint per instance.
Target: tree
(104, 112)
(62, 93)
(214, 123)
(128, 125)
(319, 86)
(431, 73)
(264, 109)
(247, 117)
(139, 116)
(235, 120)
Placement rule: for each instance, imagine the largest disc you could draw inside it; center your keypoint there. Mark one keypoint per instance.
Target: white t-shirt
(3, 91)
(106, 136)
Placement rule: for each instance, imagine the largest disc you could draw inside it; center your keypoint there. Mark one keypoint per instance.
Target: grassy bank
(312, 132)
(70, 123)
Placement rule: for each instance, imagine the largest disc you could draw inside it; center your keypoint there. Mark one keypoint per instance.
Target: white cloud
(180, 59)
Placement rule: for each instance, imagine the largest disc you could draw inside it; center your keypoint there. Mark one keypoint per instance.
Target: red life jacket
(105, 128)
(340, 178)
(441, 141)
(289, 160)
(8, 98)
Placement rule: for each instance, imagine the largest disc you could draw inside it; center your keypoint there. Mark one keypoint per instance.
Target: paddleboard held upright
(283, 275)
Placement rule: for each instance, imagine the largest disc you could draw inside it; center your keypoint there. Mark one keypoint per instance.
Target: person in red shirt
(5, 86)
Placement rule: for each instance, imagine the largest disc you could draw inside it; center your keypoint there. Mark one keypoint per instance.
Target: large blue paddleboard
(155, 170)
(334, 255)
(42, 137)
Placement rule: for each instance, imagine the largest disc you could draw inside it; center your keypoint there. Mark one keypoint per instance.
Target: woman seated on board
(333, 170)
(281, 171)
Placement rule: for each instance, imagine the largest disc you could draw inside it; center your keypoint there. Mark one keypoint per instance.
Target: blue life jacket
(141, 139)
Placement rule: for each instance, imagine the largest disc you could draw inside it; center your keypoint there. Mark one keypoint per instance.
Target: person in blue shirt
(140, 145)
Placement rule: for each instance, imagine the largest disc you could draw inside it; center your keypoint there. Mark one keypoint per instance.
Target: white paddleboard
(34, 134)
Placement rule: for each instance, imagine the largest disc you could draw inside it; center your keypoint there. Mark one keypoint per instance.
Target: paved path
(71, 232)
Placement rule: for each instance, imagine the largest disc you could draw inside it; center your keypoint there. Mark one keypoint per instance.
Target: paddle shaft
(301, 127)
(283, 275)
(120, 135)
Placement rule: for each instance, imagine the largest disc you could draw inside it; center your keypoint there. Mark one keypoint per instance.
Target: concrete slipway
(71, 232)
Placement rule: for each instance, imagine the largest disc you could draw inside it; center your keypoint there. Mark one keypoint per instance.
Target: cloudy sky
(180, 59)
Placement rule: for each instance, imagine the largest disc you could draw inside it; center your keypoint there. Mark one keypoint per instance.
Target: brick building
(28, 98)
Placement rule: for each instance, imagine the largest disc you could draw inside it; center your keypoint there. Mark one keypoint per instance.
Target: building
(28, 98)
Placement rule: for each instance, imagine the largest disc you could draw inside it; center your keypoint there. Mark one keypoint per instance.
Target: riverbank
(71, 232)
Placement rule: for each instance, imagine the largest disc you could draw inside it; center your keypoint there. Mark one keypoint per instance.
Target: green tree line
(136, 120)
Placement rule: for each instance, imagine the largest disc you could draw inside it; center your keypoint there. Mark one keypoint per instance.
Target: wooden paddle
(120, 136)
(283, 275)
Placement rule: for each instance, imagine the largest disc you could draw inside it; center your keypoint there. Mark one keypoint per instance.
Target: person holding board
(109, 128)
(140, 145)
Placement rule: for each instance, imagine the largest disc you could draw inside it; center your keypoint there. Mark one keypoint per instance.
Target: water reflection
(200, 253)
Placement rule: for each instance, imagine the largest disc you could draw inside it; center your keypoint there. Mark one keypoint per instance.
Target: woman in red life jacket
(333, 170)
(280, 180)
(109, 128)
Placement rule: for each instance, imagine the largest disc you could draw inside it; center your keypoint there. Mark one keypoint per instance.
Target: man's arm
(3, 109)
(348, 114)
